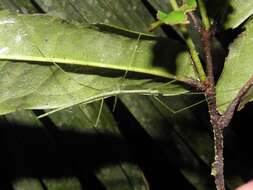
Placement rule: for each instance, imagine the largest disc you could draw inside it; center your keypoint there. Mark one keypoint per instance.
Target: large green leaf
(48, 39)
(237, 70)
(238, 11)
(81, 49)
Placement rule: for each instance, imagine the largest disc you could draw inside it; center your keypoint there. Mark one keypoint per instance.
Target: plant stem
(215, 117)
(219, 122)
(218, 165)
(195, 56)
(194, 20)
(210, 93)
(204, 15)
(174, 4)
(207, 38)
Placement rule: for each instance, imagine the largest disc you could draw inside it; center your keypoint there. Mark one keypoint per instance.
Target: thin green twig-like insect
(103, 95)
(99, 112)
(179, 110)
(176, 111)
(127, 69)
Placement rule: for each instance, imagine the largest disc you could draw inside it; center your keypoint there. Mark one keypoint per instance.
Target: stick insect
(117, 91)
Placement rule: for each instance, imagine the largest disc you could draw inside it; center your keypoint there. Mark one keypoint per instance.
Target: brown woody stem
(219, 123)
(218, 165)
(215, 117)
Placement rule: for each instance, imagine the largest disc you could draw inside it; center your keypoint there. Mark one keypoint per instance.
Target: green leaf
(48, 39)
(175, 17)
(238, 12)
(172, 18)
(237, 70)
(190, 5)
(82, 49)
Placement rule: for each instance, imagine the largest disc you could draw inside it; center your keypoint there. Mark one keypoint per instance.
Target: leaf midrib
(88, 64)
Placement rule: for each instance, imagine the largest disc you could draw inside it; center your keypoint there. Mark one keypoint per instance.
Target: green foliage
(66, 66)
(41, 38)
(190, 5)
(237, 12)
(237, 69)
(172, 18)
(175, 17)
(44, 36)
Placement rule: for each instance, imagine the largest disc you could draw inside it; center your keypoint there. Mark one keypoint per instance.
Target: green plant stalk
(195, 57)
(174, 4)
(204, 15)
(192, 49)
